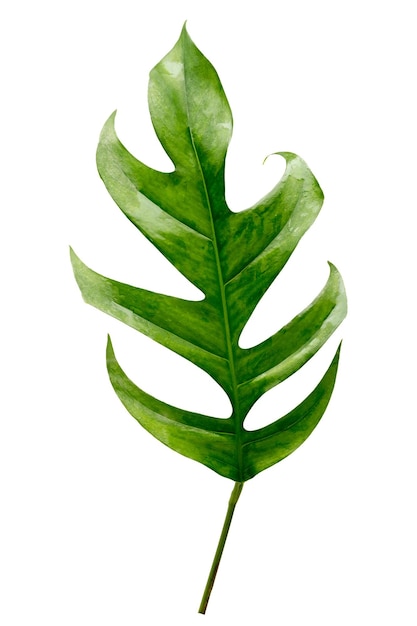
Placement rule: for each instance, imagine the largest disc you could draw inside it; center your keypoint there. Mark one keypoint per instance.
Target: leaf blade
(164, 319)
(207, 440)
(232, 258)
(275, 359)
(277, 222)
(273, 443)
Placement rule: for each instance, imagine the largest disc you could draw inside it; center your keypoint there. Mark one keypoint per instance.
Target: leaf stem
(237, 489)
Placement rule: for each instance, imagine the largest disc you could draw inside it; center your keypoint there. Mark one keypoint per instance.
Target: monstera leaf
(232, 258)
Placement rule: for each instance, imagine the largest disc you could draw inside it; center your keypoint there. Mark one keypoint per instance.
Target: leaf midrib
(231, 359)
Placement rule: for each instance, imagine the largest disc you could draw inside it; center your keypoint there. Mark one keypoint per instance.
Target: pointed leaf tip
(109, 346)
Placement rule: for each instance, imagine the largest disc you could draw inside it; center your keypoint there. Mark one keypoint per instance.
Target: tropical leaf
(231, 257)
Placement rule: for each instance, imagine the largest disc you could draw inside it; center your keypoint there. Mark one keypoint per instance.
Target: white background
(100, 523)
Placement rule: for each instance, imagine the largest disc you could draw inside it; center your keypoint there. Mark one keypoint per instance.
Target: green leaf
(231, 257)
